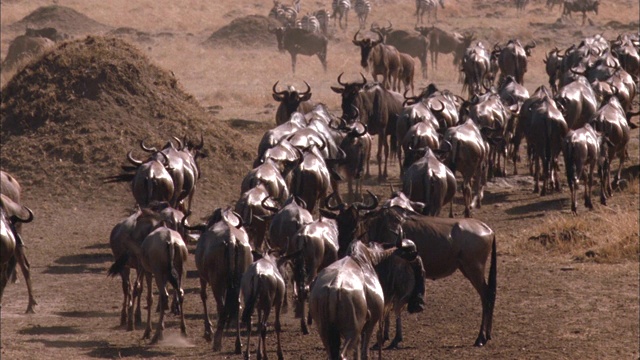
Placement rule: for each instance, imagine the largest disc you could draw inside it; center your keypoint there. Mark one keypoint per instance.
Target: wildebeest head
(349, 95)
(291, 98)
(280, 32)
(366, 45)
(384, 31)
(347, 219)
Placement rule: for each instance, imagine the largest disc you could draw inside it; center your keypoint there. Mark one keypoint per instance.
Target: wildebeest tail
(118, 265)
(493, 273)
(569, 163)
(231, 302)
(454, 156)
(250, 301)
(333, 333)
(11, 266)
(173, 272)
(300, 274)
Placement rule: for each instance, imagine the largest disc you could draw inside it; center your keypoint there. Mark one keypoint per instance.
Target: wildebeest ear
(337, 90)
(328, 214)
(256, 255)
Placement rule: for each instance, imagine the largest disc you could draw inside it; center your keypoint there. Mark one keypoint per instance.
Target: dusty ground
(557, 299)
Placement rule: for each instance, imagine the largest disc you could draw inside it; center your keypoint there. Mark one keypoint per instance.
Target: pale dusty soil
(549, 305)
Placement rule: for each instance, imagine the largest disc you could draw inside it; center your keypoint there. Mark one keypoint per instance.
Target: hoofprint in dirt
(558, 296)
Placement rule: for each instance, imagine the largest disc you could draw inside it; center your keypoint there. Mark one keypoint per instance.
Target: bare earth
(577, 299)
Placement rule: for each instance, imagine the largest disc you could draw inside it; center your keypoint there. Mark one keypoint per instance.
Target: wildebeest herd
(349, 264)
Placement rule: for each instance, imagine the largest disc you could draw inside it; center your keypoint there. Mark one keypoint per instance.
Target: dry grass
(603, 236)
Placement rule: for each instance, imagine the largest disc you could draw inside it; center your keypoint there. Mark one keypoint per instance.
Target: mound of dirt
(248, 31)
(62, 18)
(69, 119)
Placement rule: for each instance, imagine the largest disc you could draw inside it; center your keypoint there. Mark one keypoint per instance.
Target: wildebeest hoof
(280, 355)
(395, 345)
(480, 341)
(147, 334)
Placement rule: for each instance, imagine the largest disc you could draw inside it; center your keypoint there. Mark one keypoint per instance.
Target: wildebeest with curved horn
(445, 245)
(291, 100)
(378, 110)
(11, 214)
(262, 288)
(512, 60)
(347, 299)
(381, 59)
(10, 190)
(415, 45)
(445, 42)
(222, 255)
(298, 41)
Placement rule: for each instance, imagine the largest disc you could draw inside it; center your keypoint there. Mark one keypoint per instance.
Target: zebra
(362, 7)
(309, 23)
(423, 6)
(284, 13)
(521, 5)
(341, 9)
(323, 18)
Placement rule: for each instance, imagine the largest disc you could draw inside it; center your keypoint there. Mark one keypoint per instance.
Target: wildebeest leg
(587, 188)
(163, 300)
(277, 325)
(238, 343)
(379, 155)
(383, 336)
(385, 145)
(263, 329)
(222, 319)
(147, 331)
(323, 60)
(475, 274)
(25, 267)
(536, 175)
(246, 351)
(466, 195)
(137, 297)
(127, 295)
(398, 338)
(207, 320)
(622, 155)
(293, 62)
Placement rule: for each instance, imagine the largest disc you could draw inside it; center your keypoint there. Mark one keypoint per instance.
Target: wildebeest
(347, 300)
(381, 59)
(427, 6)
(415, 45)
(420, 135)
(553, 63)
(268, 174)
(286, 222)
(445, 245)
(163, 255)
(291, 100)
(468, 155)
(10, 190)
(582, 6)
(546, 132)
(429, 181)
(378, 110)
(222, 255)
(582, 149)
(298, 41)
(512, 60)
(254, 215)
(340, 11)
(357, 149)
(11, 213)
(577, 102)
(475, 68)
(611, 122)
(23, 48)
(262, 288)
(407, 73)
(316, 246)
(445, 42)
(311, 179)
(125, 241)
(626, 50)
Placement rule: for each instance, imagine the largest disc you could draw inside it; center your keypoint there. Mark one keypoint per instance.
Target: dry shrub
(601, 236)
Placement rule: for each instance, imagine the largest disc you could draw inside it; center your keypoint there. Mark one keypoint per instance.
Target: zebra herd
(318, 21)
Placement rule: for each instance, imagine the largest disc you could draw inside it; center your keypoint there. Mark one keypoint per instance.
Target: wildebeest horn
(390, 27)
(308, 89)
(400, 234)
(298, 199)
(15, 218)
(240, 220)
(339, 79)
(180, 144)
(199, 146)
(166, 159)
(356, 112)
(267, 207)
(438, 110)
(147, 149)
(327, 201)
(364, 80)
(357, 134)
(132, 160)
(355, 38)
(373, 205)
(183, 222)
(577, 72)
(275, 90)
(409, 98)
